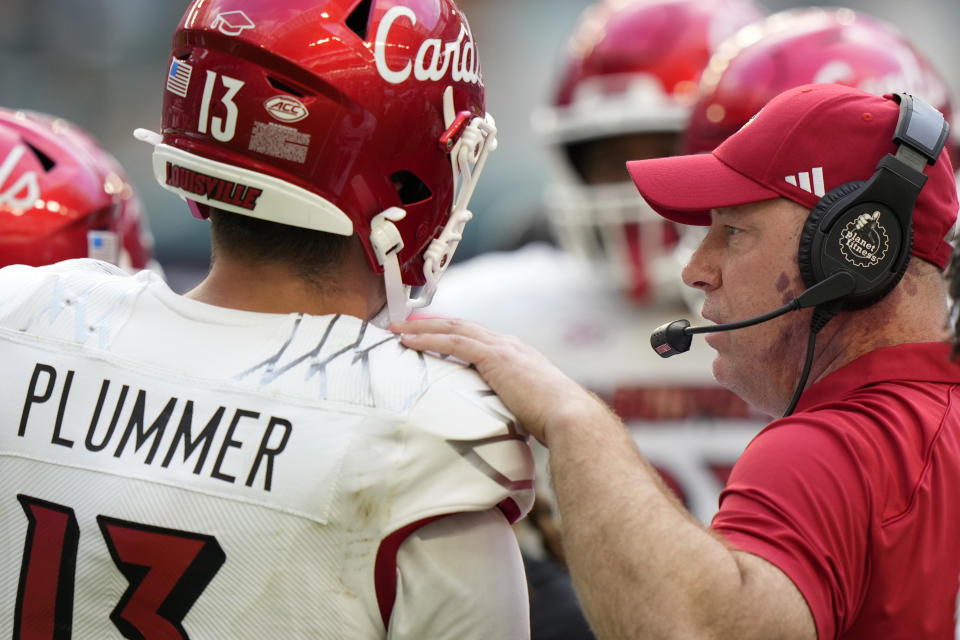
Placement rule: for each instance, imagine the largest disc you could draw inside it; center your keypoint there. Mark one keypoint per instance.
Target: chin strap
(468, 157)
(387, 243)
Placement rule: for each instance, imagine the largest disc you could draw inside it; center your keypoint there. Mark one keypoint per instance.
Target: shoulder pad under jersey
(472, 447)
(34, 297)
(15, 282)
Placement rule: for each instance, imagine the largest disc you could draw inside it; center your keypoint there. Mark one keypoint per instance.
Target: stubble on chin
(731, 377)
(764, 377)
(782, 363)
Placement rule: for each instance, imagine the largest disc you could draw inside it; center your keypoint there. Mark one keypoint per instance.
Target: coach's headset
(856, 243)
(865, 229)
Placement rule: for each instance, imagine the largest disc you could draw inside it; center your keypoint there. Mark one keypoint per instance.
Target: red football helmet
(803, 46)
(625, 92)
(344, 116)
(63, 196)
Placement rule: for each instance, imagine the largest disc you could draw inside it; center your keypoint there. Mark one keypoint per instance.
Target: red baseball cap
(803, 143)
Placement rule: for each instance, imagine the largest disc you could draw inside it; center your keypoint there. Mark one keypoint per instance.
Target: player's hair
(310, 254)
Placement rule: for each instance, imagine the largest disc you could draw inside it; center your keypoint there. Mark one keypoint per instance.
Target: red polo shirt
(856, 496)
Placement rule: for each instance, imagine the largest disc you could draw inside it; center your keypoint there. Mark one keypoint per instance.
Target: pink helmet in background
(626, 91)
(63, 196)
(343, 116)
(806, 46)
(796, 47)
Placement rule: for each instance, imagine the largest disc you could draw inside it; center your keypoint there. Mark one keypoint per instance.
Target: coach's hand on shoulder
(540, 395)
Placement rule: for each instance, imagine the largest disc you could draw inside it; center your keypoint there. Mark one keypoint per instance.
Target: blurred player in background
(257, 459)
(624, 90)
(63, 196)
(570, 314)
(804, 46)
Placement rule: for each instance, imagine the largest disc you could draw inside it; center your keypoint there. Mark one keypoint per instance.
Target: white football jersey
(171, 469)
(688, 426)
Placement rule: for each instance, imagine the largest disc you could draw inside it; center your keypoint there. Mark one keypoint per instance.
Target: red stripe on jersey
(385, 568)
(510, 510)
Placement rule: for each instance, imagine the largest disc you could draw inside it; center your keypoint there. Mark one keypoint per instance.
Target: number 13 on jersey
(167, 570)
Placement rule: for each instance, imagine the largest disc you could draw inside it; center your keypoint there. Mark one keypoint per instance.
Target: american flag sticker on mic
(178, 80)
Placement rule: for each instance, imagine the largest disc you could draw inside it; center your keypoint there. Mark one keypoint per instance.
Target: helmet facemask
(470, 141)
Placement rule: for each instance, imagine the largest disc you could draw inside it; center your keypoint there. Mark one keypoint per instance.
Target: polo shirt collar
(920, 361)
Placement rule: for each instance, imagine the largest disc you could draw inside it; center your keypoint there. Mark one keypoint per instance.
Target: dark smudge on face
(783, 282)
(788, 289)
(909, 285)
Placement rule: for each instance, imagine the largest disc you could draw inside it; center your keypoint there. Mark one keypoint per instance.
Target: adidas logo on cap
(802, 180)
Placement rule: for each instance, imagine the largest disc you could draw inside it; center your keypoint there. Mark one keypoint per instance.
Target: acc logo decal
(23, 193)
(232, 23)
(459, 57)
(864, 241)
(286, 109)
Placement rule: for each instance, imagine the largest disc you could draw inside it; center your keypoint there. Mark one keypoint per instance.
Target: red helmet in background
(804, 46)
(343, 116)
(791, 48)
(63, 196)
(626, 91)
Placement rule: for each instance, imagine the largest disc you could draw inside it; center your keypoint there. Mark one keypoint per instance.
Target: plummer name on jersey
(118, 425)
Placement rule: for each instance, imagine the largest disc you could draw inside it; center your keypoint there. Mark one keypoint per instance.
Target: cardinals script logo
(435, 58)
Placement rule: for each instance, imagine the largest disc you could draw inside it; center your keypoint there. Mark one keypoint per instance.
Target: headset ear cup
(810, 269)
(873, 296)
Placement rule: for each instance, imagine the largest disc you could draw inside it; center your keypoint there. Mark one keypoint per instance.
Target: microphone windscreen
(670, 339)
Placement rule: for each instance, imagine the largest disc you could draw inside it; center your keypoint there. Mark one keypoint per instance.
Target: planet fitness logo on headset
(864, 241)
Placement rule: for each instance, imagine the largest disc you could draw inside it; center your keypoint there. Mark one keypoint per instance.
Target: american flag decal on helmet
(178, 79)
